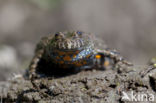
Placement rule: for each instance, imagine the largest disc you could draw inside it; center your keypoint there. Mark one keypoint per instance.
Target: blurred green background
(126, 25)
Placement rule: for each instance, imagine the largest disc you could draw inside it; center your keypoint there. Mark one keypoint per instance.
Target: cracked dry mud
(84, 87)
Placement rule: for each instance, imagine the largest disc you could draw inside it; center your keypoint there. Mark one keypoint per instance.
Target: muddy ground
(91, 86)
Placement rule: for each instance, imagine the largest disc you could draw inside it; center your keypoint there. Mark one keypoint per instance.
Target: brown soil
(87, 86)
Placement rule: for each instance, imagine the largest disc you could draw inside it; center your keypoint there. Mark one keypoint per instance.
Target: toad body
(67, 52)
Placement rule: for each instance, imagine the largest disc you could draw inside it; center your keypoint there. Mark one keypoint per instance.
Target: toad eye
(56, 34)
(79, 32)
(59, 35)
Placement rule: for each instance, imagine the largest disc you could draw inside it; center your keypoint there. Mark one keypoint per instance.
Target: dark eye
(56, 34)
(79, 32)
(59, 35)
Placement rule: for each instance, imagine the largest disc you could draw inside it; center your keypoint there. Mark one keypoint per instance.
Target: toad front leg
(34, 64)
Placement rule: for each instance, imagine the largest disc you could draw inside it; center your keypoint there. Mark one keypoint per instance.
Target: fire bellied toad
(65, 52)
